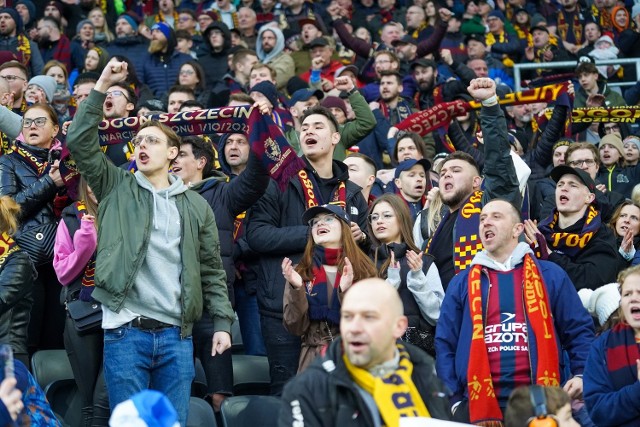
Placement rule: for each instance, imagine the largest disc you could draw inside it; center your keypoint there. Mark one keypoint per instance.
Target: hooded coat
(281, 61)
(214, 63)
(160, 71)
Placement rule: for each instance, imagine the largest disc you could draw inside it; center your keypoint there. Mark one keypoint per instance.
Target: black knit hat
(268, 89)
(16, 17)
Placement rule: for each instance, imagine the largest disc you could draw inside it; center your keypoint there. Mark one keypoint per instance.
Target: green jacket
(125, 214)
(351, 132)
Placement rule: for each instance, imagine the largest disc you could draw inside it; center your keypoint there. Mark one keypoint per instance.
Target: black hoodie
(215, 63)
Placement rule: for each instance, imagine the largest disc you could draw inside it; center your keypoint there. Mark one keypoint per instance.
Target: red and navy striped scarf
(622, 353)
(62, 51)
(88, 279)
(320, 308)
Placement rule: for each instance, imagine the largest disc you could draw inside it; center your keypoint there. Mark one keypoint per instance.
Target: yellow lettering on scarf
(308, 188)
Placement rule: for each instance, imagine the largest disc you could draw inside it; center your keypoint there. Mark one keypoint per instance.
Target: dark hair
(191, 103)
(132, 74)
(202, 81)
(366, 159)
(181, 89)
(183, 34)
(417, 141)
(461, 155)
(190, 12)
(520, 409)
(391, 73)
(131, 94)
(586, 68)
(318, 109)
(405, 224)
(202, 148)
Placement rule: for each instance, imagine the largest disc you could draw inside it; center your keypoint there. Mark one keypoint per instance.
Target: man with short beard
(456, 241)
(12, 39)
(53, 44)
(270, 50)
(128, 42)
(162, 63)
(394, 108)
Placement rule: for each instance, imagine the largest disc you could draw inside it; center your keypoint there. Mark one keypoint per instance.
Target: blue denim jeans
(137, 359)
(249, 317)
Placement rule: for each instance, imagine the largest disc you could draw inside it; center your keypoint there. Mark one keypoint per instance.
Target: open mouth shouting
(143, 158)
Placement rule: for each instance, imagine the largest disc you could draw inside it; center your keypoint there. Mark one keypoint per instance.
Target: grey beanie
(48, 85)
(81, 24)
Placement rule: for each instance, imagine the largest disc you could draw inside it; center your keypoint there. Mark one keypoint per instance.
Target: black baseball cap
(336, 210)
(317, 42)
(562, 170)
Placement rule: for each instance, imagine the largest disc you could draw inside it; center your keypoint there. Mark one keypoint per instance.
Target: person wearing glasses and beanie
(331, 262)
(158, 262)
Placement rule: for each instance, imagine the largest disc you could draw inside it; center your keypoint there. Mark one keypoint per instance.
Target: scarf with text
(441, 114)
(31, 160)
(466, 239)
(396, 395)
(7, 247)
(88, 283)
(320, 307)
(309, 187)
(483, 405)
(622, 353)
(570, 243)
(602, 114)
(266, 138)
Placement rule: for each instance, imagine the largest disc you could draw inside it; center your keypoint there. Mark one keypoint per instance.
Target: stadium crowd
(370, 188)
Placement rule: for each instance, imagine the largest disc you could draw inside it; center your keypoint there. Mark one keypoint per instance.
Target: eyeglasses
(386, 216)
(149, 139)
(187, 72)
(185, 18)
(611, 129)
(576, 163)
(116, 93)
(11, 78)
(327, 220)
(39, 121)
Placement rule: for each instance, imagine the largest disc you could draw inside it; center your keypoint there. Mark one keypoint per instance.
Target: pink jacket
(71, 257)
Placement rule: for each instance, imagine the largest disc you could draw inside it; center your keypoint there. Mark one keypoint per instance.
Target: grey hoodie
(516, 258)
(157, 290)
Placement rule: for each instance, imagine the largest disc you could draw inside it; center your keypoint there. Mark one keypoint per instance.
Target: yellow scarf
(490, 39)
(395, 395)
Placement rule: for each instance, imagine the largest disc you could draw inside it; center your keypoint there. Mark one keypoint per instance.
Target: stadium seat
(250, 375)
(200, 414)
(250, 411)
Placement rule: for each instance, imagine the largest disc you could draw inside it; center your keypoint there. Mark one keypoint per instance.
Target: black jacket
(215, 64)
(228, 199)
(16, 281)
(596, 264)
(33, 193)
(275, 230)
(325, 394)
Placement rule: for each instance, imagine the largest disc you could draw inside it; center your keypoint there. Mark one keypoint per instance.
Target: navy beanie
(31, 7)
(16, 17)
(269, 90)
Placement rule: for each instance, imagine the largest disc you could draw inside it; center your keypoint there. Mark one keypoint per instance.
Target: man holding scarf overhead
(516, 315)
(574, 236)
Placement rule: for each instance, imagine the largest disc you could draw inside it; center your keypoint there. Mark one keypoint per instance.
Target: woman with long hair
(330, 264)
(625, 224)
(400, 262)
(16, 278)
(30, 174)
(102, 34)
(74, 263)
(612, 373)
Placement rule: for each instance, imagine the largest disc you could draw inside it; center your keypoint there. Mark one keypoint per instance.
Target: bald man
(367, 377)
